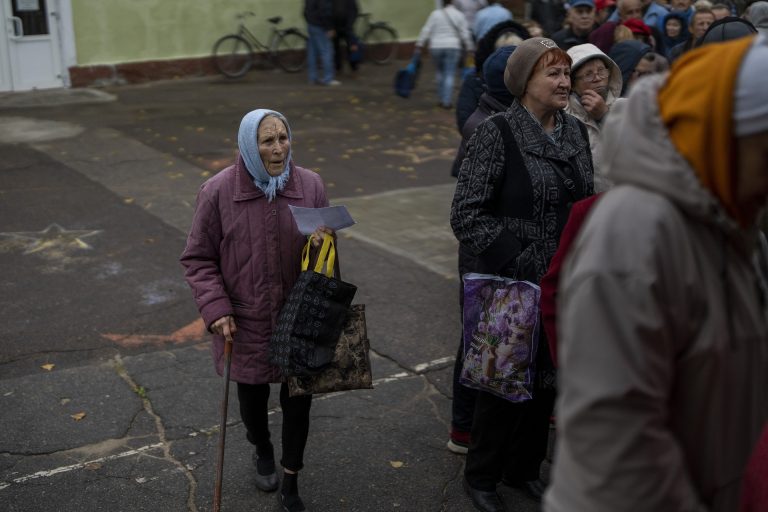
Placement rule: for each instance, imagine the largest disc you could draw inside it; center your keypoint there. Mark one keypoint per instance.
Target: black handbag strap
(513, 154)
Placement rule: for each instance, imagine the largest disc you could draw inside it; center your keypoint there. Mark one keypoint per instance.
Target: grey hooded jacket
(663, 336)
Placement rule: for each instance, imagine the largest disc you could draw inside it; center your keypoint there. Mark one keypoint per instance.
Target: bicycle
(379, 39)
(233, 54)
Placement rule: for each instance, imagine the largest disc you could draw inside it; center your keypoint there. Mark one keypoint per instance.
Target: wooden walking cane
(223, 428)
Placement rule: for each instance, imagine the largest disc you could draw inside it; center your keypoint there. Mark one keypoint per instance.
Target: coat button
(274, 212)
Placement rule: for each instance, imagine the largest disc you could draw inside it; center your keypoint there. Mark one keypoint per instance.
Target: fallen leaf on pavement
(396, 464)
(48, 366)
(78, 416)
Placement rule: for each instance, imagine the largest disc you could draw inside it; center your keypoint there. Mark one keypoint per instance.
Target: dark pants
(338, 55)
(254, 412)
(463, 404)
(509, 439)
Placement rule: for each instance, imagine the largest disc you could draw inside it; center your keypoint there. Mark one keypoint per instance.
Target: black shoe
(485, 501)
(290, 502)
(266, 476)
(533, 488)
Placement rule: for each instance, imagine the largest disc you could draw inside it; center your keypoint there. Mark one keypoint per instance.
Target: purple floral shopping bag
(501, 335)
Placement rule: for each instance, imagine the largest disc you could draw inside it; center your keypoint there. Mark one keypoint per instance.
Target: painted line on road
(65, 469)
(437, 363)
(417, 370)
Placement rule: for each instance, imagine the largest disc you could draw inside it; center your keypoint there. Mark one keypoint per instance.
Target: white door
(30, 54)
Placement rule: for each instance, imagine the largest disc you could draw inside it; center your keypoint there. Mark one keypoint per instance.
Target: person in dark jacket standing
(496, 99)
(502, 34)
(628, 55)
(321, 29)
(344, 15)
(243, 216)
(524, 169)
(581, 22)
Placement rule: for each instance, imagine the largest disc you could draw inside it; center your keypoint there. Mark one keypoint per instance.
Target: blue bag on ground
(501, 335)
(405, 79)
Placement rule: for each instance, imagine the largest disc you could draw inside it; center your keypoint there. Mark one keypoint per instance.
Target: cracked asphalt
(108, 397)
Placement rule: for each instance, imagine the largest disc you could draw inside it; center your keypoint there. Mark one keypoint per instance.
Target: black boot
(485, 501)
(289, 495)
(266, 476)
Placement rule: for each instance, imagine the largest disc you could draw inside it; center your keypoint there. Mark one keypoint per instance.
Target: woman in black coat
(524, 169)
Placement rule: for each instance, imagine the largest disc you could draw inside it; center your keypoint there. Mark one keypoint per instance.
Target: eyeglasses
(599, 74)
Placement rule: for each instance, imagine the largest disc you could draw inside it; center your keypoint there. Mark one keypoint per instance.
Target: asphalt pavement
(108, 398)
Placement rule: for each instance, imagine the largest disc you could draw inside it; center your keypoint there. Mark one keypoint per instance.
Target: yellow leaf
(48, 366)
(92, 466)
(128, 200)
(395, 464)
(78, 416)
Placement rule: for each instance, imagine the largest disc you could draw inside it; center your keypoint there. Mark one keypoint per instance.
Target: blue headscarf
(249, 150)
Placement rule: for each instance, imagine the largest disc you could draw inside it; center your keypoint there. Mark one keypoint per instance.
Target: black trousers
(254, 412)
(338, 56)
(509, 439)
(463, 403)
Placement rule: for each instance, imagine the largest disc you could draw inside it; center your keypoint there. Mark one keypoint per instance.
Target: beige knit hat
(522, 61)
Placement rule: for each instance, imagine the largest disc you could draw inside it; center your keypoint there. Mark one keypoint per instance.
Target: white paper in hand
(309, 219)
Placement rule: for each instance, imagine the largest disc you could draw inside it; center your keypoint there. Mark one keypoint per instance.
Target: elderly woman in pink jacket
(242, 257)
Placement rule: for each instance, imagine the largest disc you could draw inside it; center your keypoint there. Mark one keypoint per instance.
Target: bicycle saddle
(275, 20)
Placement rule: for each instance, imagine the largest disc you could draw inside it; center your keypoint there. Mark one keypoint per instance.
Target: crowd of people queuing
(655, 299)
(630, 195)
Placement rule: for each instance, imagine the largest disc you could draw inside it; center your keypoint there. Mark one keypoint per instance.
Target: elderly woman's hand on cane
(225, 326)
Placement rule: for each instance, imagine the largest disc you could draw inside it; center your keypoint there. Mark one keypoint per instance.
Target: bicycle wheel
(232, 56)
(290, 50)
(380, 44)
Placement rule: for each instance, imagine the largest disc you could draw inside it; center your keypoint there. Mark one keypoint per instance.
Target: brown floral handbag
(350, 367)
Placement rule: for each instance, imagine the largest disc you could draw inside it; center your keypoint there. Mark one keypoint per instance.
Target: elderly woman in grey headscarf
(242, 258)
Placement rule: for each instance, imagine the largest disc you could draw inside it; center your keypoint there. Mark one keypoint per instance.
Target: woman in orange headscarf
(662, 313)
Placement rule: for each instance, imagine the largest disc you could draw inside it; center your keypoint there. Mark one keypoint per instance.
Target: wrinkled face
(274, 145)
(752, 172)
(593, 75)
(673, 27)
(700, 22)
(680, 5)
(548, 88)
(631, 9)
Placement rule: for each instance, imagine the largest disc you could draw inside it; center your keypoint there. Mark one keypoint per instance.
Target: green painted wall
(115, 31)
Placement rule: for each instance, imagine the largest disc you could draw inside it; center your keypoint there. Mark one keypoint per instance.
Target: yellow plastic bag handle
(327, 256)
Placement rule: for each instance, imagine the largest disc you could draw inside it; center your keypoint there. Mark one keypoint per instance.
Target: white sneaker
(456, 447)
